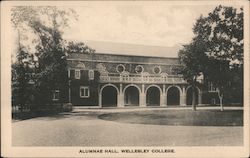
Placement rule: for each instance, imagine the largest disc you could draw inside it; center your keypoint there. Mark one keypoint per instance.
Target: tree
(192, 57)
(46, 24)
(222, 31)
(21, 79)
(78, 47)
(51, 72)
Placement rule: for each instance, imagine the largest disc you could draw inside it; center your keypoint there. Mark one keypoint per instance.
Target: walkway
(83, 128)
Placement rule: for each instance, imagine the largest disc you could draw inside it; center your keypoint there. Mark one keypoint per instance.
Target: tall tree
(21, 79)
(46, 22)
(222, 30)
(192, 57)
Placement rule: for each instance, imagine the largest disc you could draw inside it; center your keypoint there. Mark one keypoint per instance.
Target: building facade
(108, 80)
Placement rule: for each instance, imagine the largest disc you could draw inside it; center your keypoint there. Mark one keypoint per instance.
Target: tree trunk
(221, 103)
(221, 100)
(193, 98)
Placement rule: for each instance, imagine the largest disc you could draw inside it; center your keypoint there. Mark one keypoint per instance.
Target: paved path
(128, 109)
(83, 128)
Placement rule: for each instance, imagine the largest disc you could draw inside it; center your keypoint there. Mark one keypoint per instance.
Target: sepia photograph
(125, 79)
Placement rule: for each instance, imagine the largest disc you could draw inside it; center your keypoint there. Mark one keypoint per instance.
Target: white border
(8, 150)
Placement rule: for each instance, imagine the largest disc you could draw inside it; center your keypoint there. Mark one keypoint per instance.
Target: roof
(133, 49)
(104, 57)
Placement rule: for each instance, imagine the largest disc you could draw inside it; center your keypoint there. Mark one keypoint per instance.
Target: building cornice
(124, 62)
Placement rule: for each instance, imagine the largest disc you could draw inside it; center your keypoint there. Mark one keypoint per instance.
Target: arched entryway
(153, 96)
(131, 96)
(109, 96)
(190, 95)
(173, 96)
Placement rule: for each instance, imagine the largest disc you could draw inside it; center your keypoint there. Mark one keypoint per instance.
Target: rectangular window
(77, 74)
(84, 92)
(91, 74)
(55, 95)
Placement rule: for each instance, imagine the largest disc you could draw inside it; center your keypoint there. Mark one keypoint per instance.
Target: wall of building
(84, 80)
(105, 64)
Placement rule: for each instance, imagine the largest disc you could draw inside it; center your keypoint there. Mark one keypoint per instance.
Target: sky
(151, 29)
(157, 25)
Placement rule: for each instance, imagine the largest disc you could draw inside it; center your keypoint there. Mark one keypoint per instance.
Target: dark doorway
(190, 96)
(109, 97)
(131, 96)
(153, 96)
(173, 96)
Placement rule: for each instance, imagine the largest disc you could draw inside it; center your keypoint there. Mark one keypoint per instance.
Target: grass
(179, 117)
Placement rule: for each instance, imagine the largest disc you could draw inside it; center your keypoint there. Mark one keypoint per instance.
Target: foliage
(51, 73)
(219, 55)
(193, 59)
(49, 67)
(78, 47)
(223, 31)
(22, 79)
(51, 16)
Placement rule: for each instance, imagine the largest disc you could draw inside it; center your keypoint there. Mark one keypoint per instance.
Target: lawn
(179, 117)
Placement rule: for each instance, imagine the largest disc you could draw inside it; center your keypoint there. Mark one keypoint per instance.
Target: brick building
(108, 80)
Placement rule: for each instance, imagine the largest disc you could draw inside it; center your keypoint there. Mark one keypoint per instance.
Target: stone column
(69, 92)
(163, 101)
(166, 92)
(183, 97)
(120, 97)
(100, 99)
(142, 101)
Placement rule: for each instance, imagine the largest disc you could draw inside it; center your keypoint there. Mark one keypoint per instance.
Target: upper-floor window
(157, 70)
(120, 68)
(55, 95)
(91, 74)
(84, 92)
(125, 77)
(139, 69)
(77, 74)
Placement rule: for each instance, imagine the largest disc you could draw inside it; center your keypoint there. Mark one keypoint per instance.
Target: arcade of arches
(153, 96)
(131, 96)
(111, 95)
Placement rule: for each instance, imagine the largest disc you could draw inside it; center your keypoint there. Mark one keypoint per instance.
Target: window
(145, 77)
(55, 95)
(157, 70)
(84, 92)
(164, 78)
(125, 77)
(139, 69)
(77, 74)
(120, 68)
(91, 74)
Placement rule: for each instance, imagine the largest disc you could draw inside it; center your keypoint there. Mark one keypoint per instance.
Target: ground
(111, 127)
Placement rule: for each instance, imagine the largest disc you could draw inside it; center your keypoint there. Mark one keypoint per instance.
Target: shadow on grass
(29, 115)
(179, 117)
(52, 115)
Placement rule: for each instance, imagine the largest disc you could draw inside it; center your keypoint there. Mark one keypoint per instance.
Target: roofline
(135, 55)
(101, 53)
